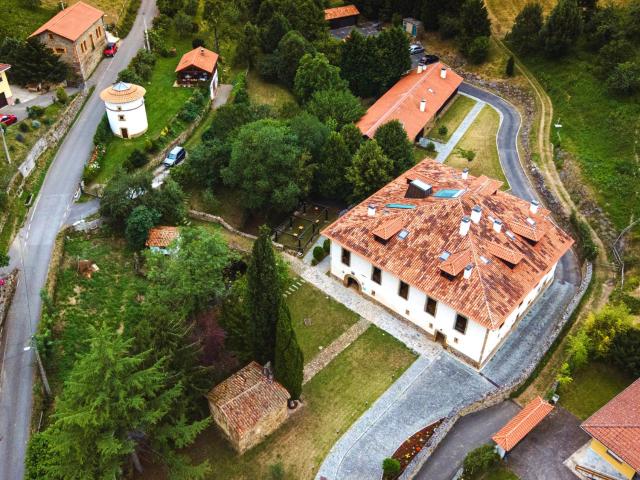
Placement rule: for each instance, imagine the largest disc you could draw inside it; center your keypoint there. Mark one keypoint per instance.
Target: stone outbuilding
(248, 406)
(125, 107)
(161, 238)
(77, 35)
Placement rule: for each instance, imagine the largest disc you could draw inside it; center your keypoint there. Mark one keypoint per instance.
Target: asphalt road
(31, 253)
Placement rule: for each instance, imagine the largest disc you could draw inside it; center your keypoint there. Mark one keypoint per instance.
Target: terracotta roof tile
(121, 92)
(162, 236)
(247, 396)
(201, 58)
(617, 425)
(495, 289)
(341, 12)
(388, 227)
(520, 425)
(71, 22)
(4, 67)
(402, 101)
(504, 253)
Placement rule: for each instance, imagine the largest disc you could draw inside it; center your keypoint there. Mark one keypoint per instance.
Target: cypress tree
(330, 181)
(289, 361)
(510, 70)
(264, 297)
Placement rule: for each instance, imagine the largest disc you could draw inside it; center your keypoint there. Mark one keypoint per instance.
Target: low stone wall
(496, 396)
(6, 293)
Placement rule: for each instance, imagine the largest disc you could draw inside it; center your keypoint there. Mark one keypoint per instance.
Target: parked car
(429, 59)
(175, 156)
(7, 120)
(110, 50)
(415, 49)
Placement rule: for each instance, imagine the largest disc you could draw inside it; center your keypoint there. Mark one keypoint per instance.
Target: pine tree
(393, 56)
(524, 35)
(395, 144)
(359, 64)
(264, 296)
(562, 28)
(370, 170)
(289, 360)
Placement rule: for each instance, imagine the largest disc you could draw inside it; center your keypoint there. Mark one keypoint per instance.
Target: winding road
(31, 252)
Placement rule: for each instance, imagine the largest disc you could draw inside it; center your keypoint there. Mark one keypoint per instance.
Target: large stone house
(450, 253)
(6, 97)
(77, 35)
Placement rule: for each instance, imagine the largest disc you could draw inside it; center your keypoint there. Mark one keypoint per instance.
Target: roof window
(448, 193)
(485, 260)
(403, 234)
(444, 255)
(510, 234)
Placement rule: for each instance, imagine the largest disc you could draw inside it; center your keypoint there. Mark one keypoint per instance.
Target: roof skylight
(444, 255)
(403, 234)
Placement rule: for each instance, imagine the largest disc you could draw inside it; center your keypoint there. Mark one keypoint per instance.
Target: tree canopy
(395, 144)
(370, 170)
(32, 62)
(525, 32)
(315, 73)
(562, 28)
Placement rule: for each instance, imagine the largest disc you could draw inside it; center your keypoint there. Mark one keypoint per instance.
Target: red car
(8, 119)
(110, 50)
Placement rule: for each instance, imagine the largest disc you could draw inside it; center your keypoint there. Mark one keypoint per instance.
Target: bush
(35, 111)
(510, 68)
(189, 112)
(431, 147)
(151, 145)
(198, 42)
(390, 467)
(326, 245)
(103, 132)
(128, 75)
(61, 96)
(318, 253)
(443, 130)
(625, 351)
(20, 137)
(24, 127)
(588, 246)
(478, 51)
(479, 461)
(136, 159)
(36, 124)
(47, 121)
(129, 18)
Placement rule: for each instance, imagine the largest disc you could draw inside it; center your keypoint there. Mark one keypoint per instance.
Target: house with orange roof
(340, 17)
(198, 67)
(416, 100)
(615, 437)
(451, 253)
(77, 35)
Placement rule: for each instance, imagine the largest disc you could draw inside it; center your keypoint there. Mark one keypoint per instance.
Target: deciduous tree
(291, 49)
(339, 106)
(141, 220)
(525, 33)
(395, 144)
(315, 73)
(330, 180)
(562, 28)
(370, 170)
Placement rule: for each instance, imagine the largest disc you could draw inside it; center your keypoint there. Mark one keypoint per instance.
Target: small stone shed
(248, 406)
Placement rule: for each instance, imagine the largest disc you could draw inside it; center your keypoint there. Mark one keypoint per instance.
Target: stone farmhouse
(77, 35)
(450, 253)
(416, 100)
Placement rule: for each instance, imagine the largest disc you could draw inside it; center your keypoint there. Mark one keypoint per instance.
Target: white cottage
(451, 253)
(126, 112)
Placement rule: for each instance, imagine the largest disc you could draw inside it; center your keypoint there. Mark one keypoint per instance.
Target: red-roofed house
(198, 67)
(248, 406)
(340, 17)
(416, 100)
(438, 247)
(77, 35)
(615, 431)
(519, 426)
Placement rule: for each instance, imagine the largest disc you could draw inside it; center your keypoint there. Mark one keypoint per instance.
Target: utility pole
(146, 34)
(4, 141)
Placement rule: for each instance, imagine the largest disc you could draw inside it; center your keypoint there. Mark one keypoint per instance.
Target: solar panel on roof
(448, 193)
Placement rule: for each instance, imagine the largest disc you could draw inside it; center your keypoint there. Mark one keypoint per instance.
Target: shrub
(36, 124)
(443, 130)
(103, 132)
(479, 461)
(478, 51)
(189, 112)
(326, 245)
(510, 68)
(20, 137)
(625, 351)
(47, 121)
(588, 246)
(35, 111)
(129, 17)
(24, 127)
(129, 75)
(4, 199)
(318, 253)
(431, 147)
(61, 96)
(151, 145)
(136, 159)
(390, 467)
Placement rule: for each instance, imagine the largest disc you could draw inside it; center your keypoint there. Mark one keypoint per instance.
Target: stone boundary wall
(6, 293)
(496, 396)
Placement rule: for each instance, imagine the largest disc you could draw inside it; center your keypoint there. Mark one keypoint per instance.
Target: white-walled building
(451, 253)
(126, 112)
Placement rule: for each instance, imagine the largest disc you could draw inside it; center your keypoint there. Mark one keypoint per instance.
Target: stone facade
(84, 54)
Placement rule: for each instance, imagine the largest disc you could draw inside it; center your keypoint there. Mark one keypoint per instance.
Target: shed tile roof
(162, 236)
(4, 67)
(495, 288)
(201, 58)
(617, 425)
(72, 22)
(341, 12)
(247, 396)
(520, 425)
(402, 101)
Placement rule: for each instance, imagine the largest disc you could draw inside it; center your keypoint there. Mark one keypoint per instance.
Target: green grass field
(333, 400)
(267, 93)
(452, 118)
(592, 387)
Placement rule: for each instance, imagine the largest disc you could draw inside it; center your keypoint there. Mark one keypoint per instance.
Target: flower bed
(412, 445)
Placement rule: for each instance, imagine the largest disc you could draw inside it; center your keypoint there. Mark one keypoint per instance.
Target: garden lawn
(162, 102)
(499, 473)
(592, 387)
(328, 319)
(452, 118)
(234, 241)
(481, 138)
(227, 205)
(598, 128)
(267, 93)
(333, 400)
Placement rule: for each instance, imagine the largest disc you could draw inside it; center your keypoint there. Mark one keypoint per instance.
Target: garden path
(444, 150)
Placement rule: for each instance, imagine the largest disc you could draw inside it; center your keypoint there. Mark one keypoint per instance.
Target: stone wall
(496, 396)
(6, 294)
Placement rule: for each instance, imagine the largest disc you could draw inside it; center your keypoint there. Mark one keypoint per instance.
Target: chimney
(443, 73)
(465, 224)
(371, 210)
(467, 271)
(201, 51)
(497, 225)
(476, 213)
(465, 173)
(419, 69)
(533, 206)
(423, 105)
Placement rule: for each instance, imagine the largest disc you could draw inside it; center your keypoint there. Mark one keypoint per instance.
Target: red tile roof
(4, 67)
(519, 426)
(162, 236)
(72, 22)
(201, 58)
(402, 101)
(246, 397)
(617, 425)
(495, 288)
(341, 12)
